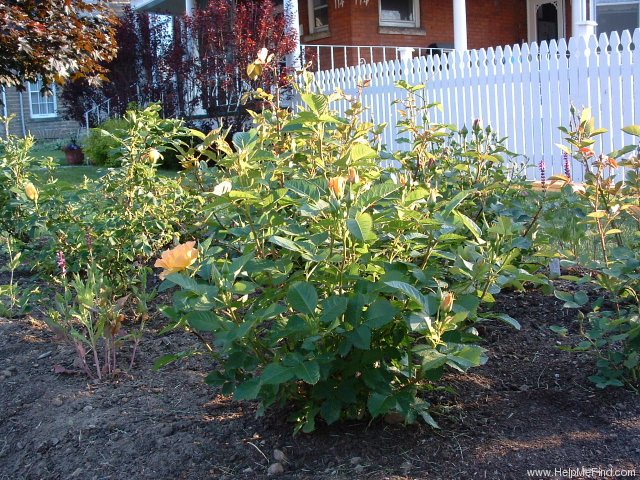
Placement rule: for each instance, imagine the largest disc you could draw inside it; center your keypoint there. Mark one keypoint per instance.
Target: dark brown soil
(530, 407)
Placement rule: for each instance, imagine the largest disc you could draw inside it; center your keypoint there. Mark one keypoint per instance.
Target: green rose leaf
(330, 410)
(303, 297)
(203, 321)
(380, 313)
(275, 374)
(248, 390)
(361, 227)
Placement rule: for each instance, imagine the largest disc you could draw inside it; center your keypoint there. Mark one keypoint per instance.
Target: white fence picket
(524, 92)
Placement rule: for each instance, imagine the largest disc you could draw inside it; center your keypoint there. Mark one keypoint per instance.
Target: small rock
(355, 460)
(166, 431)
(275, 469)
(57, 401)
(6, 373)
(55, 441)
(394, 418)
(87, 408)
(279, 456)
(406, 466)
(12, 368)
(359, 468)
(247, 470)
(44, 355)
(76, 472)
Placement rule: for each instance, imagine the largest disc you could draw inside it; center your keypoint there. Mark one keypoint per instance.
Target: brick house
(460, 24)
(423, 23)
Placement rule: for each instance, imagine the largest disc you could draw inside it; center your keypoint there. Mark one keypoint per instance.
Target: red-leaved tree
(132, 76)
(229, 34)
(200, 62)
(54, 40)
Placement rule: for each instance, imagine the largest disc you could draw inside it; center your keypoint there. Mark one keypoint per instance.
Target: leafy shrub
(339, 286)
(104, 144)
(104, 150)
(126, 216)
(612, 212)
(15, 300)
(18, 194)
(88, 315)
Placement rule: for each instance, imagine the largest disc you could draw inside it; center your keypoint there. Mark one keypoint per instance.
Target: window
(3, 99)
(400, 13)
(318, 16)
(617, 16)
(42, 106)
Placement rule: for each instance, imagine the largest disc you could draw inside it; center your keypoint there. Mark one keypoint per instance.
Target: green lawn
(70, 176)
(50, 148)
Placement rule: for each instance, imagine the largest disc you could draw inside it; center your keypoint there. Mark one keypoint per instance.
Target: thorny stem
(254, 232)
(534, 219)
(601, 233)
(202, 339)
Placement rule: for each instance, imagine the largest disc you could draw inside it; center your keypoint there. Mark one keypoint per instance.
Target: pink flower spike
(567, 165)
(61, 262)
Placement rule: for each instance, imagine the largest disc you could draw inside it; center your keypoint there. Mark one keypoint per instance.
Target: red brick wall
(489, 23)
(493, 22)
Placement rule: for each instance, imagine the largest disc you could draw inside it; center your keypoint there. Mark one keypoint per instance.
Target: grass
(50, 148)
(70, 176)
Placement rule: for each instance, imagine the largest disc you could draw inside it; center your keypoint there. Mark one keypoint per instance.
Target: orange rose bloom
(447, 302)
(353, 175)
(177, 259)
(154, 155)
(31, 191)
(588, 152)
(336, 185)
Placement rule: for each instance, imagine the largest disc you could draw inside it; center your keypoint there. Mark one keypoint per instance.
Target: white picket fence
(524, 92)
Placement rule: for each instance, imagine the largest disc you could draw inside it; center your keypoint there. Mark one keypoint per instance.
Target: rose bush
(341, 287)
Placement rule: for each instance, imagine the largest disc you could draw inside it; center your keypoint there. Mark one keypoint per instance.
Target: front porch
(459, 24)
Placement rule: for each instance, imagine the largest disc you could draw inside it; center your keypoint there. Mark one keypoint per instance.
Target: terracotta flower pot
(75, 156)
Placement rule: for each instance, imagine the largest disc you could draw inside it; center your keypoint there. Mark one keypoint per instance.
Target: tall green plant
(613, 212)
(331, 283)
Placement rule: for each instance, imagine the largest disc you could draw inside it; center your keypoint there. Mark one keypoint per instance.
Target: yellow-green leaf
(632, 130)
(597, 214)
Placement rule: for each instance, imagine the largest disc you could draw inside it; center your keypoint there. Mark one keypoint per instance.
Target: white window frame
(612, 3)
(415, 23)
(5, 110)
(312, 18)
(36, 88)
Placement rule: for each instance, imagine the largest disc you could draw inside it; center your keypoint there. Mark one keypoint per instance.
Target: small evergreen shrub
(105, 150)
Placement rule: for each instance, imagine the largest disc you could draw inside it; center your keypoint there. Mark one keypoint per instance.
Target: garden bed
(530, 407)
